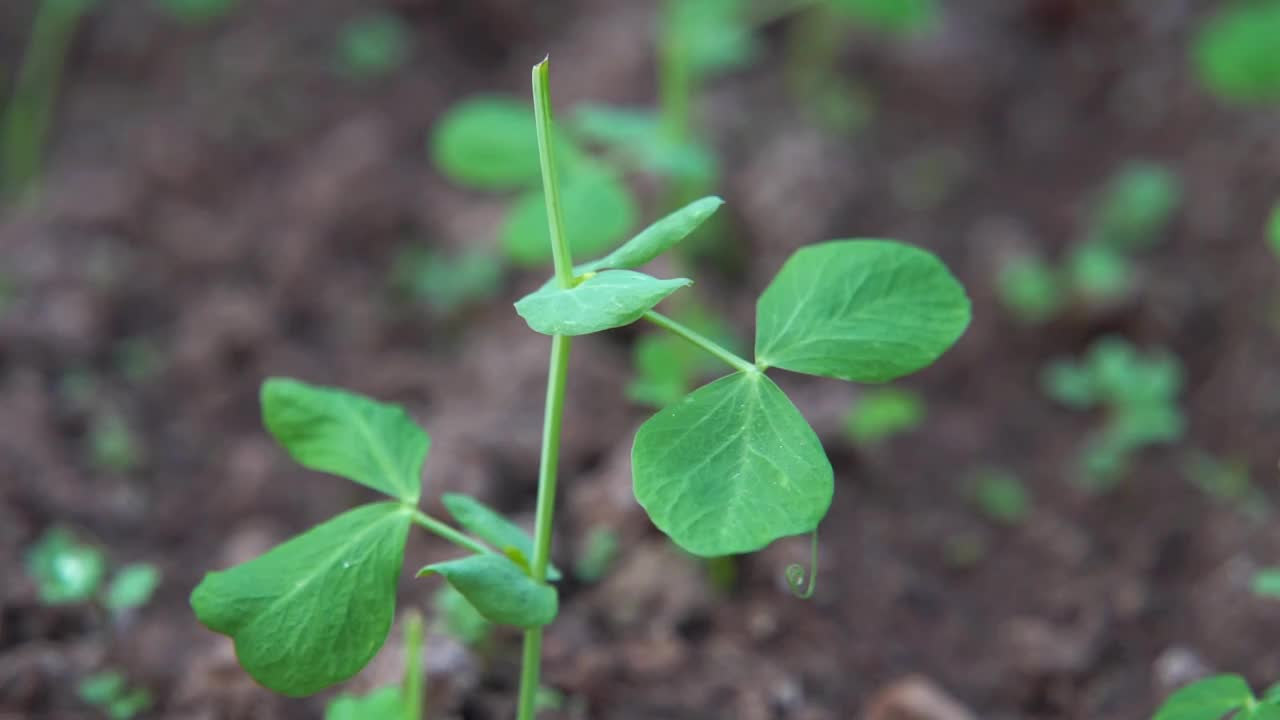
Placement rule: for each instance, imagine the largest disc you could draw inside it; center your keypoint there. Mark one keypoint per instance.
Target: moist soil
(220, 205)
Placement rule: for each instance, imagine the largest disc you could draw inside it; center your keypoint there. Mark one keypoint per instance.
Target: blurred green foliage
(1139, 394)
(196, 12)
(1235, 53)
(882, 413)
(447, 283)
(1273, 235)
(459, 619)
(1000, 496)
(1227, 481)
(667, 367)
(113, 445)
(899, 17)
(394, 702)
(110, 693)
(598, 555)
(1266, 583)
(67, 571)
(1131, 214)
(374, 45)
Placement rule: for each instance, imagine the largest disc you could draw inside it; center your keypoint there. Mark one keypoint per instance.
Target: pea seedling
(111, 693)
(68, 572)
(1134, 209)
(27, 117)
(883, 413)
(1139, 395)
(1214, 698)
(374, 45)
(196, 12)
(728, 469)
(1235, 54)
(394, 702)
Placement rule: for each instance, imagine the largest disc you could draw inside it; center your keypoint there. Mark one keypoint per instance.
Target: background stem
(557, 376)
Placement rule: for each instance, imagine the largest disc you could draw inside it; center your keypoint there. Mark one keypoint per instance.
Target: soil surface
(221, 202)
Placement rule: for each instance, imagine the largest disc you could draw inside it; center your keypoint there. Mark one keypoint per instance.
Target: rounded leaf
(1235, 52)
(499, 590)
(601, 301)
(863, 310)
(489, 143)
(598, 212)
(314, 610)
(731, 468)
(1207, 699)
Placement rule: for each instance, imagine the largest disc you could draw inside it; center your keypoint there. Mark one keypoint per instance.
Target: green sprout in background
(882, 413)
(1139, 394)
(1235, 55)
(1228, 482)
(1218, 696)
(867, 311)
(1273, 231)
(394, 702)
(1131, 215)
(374, 45)
(110, 692)
(68, 572)
(24, 128)
(447, 283)
(598, 554)
(1000, 496)
(459, 619)
(196, 12)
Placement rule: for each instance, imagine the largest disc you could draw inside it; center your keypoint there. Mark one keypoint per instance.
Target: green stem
(675, 84)
(701, 341)
(557, 377)
(550, 180)
(450, 534)
(412, 687)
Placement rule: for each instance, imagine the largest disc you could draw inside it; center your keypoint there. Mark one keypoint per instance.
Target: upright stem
(557, 375)
(412, 685)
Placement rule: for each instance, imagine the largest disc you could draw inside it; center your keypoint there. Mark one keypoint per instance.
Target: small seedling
(113, 445)
(67, 571)
(1131, 215)
(598, 555)
(1000, 496)
(1139, 394)
(728, 469)
(1235, 52)
(27, 118)
(374, 45)
(883, 413)
(110, 693)
(395, 702)
(447, 283)
(1217, 697)
(196, 12)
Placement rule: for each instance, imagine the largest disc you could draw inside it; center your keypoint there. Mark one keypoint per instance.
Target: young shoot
(726, 469)
(1139, 394)
(24, 128)
(1217, 697)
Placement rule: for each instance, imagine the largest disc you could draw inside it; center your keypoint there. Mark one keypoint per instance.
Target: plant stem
(675, 84)
(701, 341)
(448, 533)
(557, 376)
(550, 180)
(412, 686)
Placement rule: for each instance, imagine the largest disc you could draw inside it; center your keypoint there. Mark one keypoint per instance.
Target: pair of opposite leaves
(728, 469)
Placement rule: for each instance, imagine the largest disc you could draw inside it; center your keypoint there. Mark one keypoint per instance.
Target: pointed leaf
(499, 590)
(604, 300)
(862, 310)
(485, 523)
(132, 587)
(314, 610)
(1207, 699)
(598, 212)
(659, 237)
(488, 143)
(334, 431)
(731, 468)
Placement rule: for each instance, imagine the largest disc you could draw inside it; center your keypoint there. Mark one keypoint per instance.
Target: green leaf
(1099, 272)
(133, 586)
(731, 468)
(381, 704)
(881, 414)
(460, 618)
(1001, 496)
(337, 432)
(1136, 206)
(101, 688)
(598, 212)
(1266, 583)
(710, 35)
(499, 590)
(314, 610)
(1030, 288)
(374, 45)
(487, 524)
(1207, 699)
(129, 705)
(601, 301)
(1262, 712)
(488, 142)
(444, 282)
(1235, 52)
(900, 17)
(64, 570)
(862, 310)
(659, 237)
